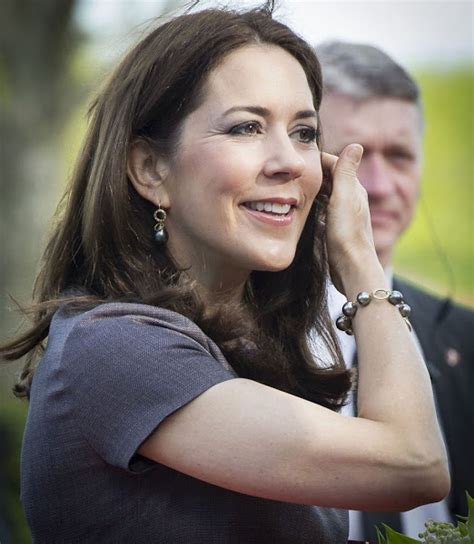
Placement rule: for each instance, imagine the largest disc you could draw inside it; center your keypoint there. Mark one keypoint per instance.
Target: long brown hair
(103, 242)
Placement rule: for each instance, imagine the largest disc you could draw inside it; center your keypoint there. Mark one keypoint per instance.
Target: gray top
(108, 378)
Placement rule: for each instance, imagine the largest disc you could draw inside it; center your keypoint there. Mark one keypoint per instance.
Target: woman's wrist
(363, 273)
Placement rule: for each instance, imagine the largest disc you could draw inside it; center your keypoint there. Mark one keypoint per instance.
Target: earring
(160, 236)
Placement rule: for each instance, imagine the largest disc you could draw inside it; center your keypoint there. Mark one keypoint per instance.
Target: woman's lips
(268, 217)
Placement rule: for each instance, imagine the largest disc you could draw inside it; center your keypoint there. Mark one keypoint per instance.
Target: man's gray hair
(363, 71)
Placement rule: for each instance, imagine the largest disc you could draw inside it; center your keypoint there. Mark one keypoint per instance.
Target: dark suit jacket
(446, 335)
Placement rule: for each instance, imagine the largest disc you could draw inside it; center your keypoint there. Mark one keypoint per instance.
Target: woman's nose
(283, 159)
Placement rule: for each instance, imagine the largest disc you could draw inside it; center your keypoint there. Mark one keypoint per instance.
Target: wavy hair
(102, 242)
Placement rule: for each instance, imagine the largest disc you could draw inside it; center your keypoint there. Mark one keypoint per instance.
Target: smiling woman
(266, 171)
(177, 399)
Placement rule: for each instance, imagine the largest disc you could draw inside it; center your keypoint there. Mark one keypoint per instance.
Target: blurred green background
(438, 248)
(48, 73)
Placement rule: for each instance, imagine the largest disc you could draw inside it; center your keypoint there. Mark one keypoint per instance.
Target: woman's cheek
(234, 173)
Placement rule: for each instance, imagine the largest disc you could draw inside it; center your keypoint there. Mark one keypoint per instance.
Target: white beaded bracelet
(349, 310)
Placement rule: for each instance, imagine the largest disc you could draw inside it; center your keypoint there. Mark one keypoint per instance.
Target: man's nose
(374, 174)
(283, 159)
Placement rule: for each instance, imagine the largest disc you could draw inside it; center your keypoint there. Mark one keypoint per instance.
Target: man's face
(390, 131)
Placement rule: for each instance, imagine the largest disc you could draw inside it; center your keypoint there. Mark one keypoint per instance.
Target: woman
(177, 400)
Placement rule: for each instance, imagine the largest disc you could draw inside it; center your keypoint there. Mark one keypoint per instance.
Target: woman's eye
(247, 129)
(307, 135)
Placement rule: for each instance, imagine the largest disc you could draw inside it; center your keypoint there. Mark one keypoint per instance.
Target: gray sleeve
(127, 375)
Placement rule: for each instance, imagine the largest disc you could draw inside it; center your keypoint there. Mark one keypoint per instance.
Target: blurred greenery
(438, 248)
(12, 420)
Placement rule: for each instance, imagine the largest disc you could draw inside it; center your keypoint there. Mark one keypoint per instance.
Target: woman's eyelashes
(305, 134)
(249, 128)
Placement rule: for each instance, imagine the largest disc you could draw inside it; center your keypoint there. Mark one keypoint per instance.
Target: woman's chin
(276, 263)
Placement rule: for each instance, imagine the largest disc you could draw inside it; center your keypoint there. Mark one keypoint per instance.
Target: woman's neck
(215, 282)
(218, 292)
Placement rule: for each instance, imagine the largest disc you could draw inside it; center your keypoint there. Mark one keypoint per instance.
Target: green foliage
(444, 533)
(437, 532)
(447, 189)
(4, 86)
(393, 537)
(12, 420)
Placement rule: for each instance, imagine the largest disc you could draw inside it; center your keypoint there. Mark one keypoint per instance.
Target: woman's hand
(349, 231)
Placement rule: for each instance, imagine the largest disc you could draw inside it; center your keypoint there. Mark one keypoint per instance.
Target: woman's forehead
(258, 73)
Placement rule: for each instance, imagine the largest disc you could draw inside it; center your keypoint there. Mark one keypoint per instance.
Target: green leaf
(380, 538)
(462, 528)
(470, 517)
(393, 537)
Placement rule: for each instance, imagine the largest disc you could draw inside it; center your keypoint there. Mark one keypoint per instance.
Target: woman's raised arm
(253, 439)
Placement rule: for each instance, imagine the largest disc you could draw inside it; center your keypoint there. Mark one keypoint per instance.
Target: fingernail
(354, 152)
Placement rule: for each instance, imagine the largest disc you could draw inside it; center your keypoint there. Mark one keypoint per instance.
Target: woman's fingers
(328, 162)
(349, 160)
(349, 233)
(344, 167)
(342, 170)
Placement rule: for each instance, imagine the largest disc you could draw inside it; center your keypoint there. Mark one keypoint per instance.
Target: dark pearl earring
(160, 235)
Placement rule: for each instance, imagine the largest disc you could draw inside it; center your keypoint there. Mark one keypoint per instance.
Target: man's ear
(147, 172)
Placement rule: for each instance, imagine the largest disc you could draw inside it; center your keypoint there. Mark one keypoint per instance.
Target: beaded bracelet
(349, 310)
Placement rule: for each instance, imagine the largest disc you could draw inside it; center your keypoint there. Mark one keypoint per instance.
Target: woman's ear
(147, 172)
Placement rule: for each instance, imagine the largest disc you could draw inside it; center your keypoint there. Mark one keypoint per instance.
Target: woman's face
(247, 169)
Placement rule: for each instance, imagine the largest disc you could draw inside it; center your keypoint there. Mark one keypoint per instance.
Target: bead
(363, 298)
(161, 236)
(395, 298)
(349, 309)
(343, 323)
(404, 310)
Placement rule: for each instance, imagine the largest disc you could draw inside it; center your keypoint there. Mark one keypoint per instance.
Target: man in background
(371, 100)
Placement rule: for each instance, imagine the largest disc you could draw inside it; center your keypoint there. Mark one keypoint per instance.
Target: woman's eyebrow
(306, 114)
(265, 112)
(258, 110)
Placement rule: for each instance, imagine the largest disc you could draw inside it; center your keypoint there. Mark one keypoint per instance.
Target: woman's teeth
(270, 207)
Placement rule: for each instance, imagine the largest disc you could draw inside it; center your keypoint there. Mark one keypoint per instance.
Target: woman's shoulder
(122, 326)
(129, 314)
